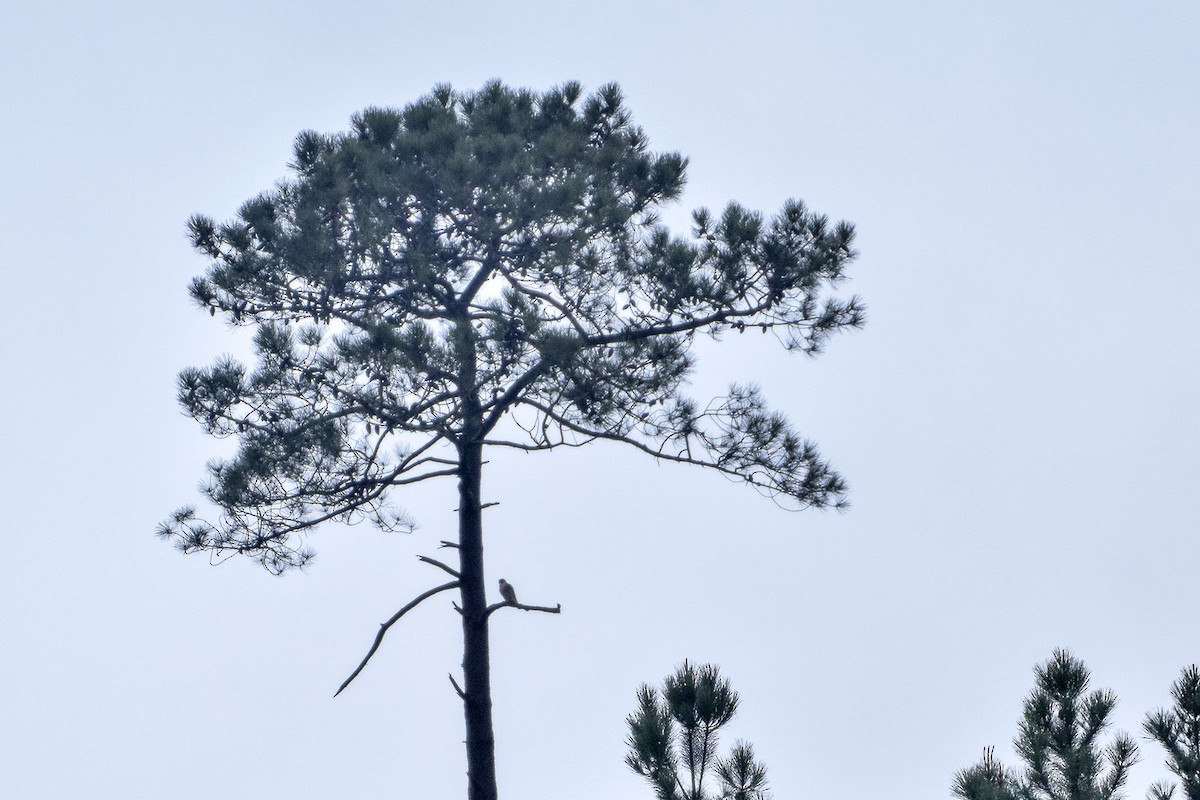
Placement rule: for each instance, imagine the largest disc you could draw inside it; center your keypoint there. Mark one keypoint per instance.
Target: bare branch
(461, 694)
(482, 506)
(441, 473)
(383, 629)
(544, 609)
(440, 565)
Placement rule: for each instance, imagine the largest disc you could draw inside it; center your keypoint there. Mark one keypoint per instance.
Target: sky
(1017, 421)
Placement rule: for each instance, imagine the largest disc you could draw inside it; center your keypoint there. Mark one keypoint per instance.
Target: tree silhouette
(677, 760)
(1178, 731)
(486, 270)
(1058, 742)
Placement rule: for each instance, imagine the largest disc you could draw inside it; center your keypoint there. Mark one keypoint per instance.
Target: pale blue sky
(1017, 421)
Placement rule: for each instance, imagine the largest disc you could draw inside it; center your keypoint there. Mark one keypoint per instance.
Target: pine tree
(673, 739)
(1178, 731)
(1058, 742)
(486, 270)
(987, 780)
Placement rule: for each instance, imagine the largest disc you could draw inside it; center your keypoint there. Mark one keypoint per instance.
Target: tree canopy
(480, 256)
(1059, 742)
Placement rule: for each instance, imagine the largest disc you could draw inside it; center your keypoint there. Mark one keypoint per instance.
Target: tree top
(488, 268)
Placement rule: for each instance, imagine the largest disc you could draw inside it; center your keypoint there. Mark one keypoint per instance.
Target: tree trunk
(477, 705)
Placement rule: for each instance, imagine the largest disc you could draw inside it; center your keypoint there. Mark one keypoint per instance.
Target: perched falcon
(508, 592)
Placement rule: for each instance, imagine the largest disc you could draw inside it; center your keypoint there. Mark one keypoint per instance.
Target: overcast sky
(1018, 420)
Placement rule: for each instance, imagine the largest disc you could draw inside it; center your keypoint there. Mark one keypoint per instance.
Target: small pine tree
(1178, 731)
(700, 702)
(1059, 743)
(987, 780)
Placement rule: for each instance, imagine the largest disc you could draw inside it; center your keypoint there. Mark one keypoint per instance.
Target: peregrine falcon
(508, 592)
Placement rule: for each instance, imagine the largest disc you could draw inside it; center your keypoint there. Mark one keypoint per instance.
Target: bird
(508, 592)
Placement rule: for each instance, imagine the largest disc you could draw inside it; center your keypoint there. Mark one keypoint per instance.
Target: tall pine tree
(487, 270)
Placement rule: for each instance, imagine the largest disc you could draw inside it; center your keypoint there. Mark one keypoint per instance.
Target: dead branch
(439, 565)
(383, 628)
(481, 505)
(544, 609)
